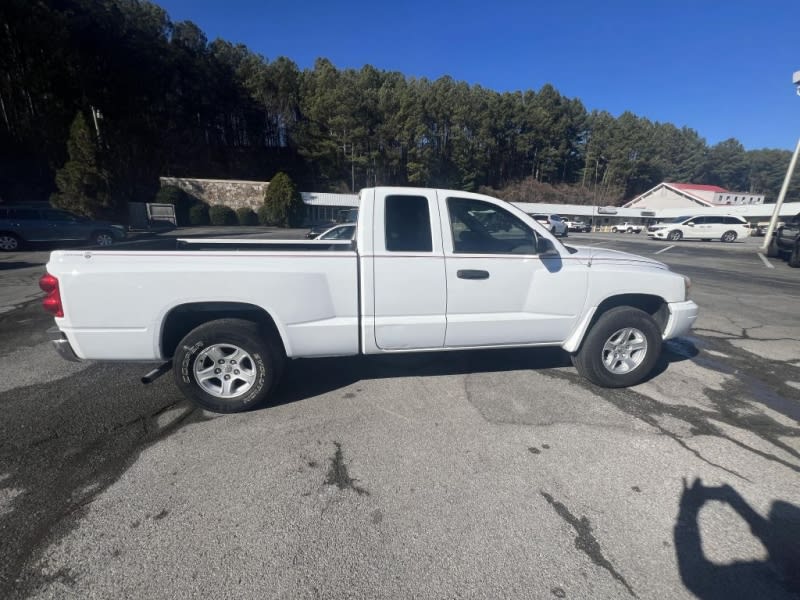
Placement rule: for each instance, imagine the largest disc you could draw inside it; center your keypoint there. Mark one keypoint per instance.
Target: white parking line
(664, 249)
(768, 264)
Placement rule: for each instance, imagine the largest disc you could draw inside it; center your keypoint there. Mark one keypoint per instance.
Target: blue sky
(723, 68)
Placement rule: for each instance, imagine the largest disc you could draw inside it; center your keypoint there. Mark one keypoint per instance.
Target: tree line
(103, 96)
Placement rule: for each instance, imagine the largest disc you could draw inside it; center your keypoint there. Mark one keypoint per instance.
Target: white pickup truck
(428, 270)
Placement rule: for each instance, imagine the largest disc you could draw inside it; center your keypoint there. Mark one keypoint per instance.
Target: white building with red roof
(691, 195)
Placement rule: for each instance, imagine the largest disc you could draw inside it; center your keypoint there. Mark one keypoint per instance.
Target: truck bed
(136, 289)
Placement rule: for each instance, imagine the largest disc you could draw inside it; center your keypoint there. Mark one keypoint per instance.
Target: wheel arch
(181, 319)
(654, 305)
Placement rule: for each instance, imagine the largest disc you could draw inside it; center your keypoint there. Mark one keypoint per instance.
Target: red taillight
(52, 302)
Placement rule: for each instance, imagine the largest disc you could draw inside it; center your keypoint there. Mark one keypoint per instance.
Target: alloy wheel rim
(8, 243)
(104, 240)
(624, 350)
(225, 371)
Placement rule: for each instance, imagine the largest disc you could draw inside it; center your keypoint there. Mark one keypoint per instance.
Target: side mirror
(545, 248)
(690, 224)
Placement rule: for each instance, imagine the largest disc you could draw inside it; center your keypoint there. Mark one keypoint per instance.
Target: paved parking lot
(453, 475)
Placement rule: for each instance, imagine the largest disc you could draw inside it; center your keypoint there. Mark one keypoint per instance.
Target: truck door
(499, 291)
(409, 275)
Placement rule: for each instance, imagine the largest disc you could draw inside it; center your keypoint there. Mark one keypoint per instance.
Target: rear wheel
(675, 236)
(102, 238)
(729, 236)
(226, 366)
(9, 242)
(620, 349)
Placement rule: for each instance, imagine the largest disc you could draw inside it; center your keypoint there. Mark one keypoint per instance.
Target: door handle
(472, 274)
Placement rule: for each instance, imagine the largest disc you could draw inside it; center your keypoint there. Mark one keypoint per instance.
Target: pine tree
(82, 182)
(284, 204)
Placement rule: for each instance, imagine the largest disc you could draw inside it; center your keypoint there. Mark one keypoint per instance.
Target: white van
(725, 228)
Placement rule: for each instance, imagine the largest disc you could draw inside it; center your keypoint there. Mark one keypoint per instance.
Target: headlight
(687, 286)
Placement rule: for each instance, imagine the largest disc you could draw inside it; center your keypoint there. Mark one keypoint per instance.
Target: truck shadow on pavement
(308, 378)
(776, 577)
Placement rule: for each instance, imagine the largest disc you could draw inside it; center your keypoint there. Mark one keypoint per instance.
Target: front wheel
(675, 236)
(620, 349)
(794, 257)
(226, 366)
(772, 247)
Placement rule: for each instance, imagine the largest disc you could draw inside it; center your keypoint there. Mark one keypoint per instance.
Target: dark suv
(22, 224)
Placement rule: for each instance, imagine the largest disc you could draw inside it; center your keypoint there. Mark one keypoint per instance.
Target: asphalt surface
(451, 475)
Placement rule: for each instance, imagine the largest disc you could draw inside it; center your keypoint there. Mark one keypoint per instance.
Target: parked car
(20, 225)
(554, 224)
(346, 231)
(424, 275)
(578, 226)
(626, 227)
(786, 241)
(725, 228)
(319, 228)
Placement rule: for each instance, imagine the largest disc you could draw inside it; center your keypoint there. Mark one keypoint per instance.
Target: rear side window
(408, 224)
(732, 221)
(58, 215)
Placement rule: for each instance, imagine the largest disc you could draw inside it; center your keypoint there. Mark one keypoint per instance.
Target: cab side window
(482, 228)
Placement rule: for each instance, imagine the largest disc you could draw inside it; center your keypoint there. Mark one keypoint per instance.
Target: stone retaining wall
(233, 193)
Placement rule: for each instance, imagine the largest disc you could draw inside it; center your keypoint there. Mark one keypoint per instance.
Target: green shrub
(246, 216)
(284, 203)
(198, 214)
(222, 215)
(183, 202)
(264, 215)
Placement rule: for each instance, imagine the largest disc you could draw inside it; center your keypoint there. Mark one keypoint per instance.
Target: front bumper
(62, 345)
(682, 316)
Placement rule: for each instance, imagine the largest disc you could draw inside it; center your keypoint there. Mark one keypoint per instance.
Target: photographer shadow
(776, 577)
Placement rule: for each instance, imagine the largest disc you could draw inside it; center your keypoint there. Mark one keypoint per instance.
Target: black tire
(613, 230)
(588, 360)
(10, 242)
(565, 234)
(264, 360)
(630, 230)
(728, 237)
(675, 235)
(794, 257)
(772, 247)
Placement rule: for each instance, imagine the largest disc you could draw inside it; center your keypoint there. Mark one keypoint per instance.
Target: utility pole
(786, 180)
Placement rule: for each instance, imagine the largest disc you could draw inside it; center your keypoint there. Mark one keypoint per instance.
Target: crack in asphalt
(585, 540)
(732, 406)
